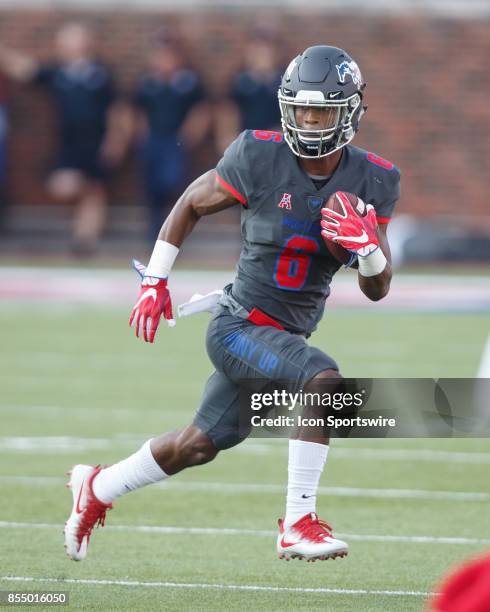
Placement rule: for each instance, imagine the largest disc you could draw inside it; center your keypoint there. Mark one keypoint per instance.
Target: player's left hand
(153, 301)
(352, 231)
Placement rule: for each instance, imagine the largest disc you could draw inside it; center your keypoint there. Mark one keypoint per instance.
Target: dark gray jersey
(284, 268)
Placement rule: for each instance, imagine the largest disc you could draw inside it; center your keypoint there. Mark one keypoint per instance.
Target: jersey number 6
(293, 262)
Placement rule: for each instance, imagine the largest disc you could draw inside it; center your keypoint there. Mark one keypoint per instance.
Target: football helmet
(329, 80)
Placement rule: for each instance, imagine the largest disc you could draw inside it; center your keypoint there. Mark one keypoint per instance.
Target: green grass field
(77, 387)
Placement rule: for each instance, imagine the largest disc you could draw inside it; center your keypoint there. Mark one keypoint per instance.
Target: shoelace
(93, 516)
(315, 529)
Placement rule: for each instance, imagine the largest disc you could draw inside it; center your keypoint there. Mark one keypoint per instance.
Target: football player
(282, 181)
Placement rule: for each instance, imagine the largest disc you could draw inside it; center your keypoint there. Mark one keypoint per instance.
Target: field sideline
(77, 387)
(83, 286)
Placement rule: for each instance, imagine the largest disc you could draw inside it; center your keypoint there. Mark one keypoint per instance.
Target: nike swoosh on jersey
(148, 293)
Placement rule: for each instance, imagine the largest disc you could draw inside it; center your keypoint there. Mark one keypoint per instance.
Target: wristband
(372, 264)
(162, 259)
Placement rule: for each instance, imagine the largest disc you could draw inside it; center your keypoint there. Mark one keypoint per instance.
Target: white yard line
(227, 487)
(376, 454)
(24, 379)
(57, 444)
(47, 361)
(85, 411)
(62, 357)
(429, 456)
(231, 531)
(69, 444)
(217, 487)
(200, 585)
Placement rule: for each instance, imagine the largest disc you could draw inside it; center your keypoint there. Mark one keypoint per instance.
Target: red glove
(153, 301)
(350, 230)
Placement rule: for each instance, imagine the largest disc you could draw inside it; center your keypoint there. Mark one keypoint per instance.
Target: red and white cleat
(310, 539)
(87, 511)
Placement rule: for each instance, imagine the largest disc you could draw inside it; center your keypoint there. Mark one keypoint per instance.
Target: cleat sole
(333, 556)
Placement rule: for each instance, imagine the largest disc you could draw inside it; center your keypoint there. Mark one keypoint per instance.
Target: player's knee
(197, 449)
(330, 373)
(65, 185)
(330, 377)
(326, 384)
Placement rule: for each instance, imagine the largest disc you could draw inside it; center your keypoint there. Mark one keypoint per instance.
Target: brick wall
(428, 93)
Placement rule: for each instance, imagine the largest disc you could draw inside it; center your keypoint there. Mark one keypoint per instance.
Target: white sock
(306, 463)
(132, 473)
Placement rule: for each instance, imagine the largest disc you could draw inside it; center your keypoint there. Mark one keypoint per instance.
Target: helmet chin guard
(328, 80)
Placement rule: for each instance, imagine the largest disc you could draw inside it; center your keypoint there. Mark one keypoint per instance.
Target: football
(334, 202)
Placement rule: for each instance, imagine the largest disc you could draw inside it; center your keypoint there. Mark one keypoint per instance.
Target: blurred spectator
(3, 149)
(93, 129)
(172, 119)
(252, 103)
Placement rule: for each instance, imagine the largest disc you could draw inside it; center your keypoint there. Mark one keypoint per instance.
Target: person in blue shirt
(93, 130)
(252, 96)
(3, 149)
(172, 118)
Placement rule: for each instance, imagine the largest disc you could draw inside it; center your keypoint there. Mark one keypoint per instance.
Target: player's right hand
(352, 231)
(153, 301)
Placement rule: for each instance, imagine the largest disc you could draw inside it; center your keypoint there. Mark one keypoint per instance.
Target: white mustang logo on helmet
(351, 68)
